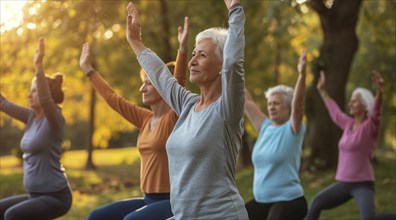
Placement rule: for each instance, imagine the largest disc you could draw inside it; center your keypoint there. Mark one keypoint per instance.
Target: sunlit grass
(117, 178)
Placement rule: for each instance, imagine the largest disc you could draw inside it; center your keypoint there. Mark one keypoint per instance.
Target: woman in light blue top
(203, 147)
(277, 191)
(44, 176)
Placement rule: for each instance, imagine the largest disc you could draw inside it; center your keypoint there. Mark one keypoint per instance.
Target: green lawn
(117, 177)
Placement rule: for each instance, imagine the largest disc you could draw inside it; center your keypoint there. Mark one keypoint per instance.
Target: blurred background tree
(276, 33)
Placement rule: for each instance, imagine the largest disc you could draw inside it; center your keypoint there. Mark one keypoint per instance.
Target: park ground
(117, 177)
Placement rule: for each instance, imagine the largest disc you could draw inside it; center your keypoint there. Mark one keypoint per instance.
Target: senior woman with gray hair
(203, 147)
(276, 155)
(355, 174)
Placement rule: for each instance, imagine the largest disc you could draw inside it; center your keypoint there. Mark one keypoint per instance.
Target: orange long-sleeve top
(154, 170)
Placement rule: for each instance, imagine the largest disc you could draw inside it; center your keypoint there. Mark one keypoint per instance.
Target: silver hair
(282, 89)
(218, 37)
(366, 96)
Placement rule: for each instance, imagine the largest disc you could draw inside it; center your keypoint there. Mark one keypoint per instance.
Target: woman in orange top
(155, 126)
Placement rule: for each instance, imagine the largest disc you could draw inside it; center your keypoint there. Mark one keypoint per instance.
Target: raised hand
(230, 3)
(85, 58)
(182, 36)
(302, 63)
(321, 81)
(133, 24)
(38, 57)
(378, 81)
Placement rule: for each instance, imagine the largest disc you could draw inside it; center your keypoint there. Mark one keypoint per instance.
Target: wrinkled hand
(230, 3)
(38, 57)
(182, 36)
(133, 31)
(302, 63)
(378, 80)
(321, 81)
(85, 58)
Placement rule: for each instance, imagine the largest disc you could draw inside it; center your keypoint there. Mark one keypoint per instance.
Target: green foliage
(276, 32)
(376, 31)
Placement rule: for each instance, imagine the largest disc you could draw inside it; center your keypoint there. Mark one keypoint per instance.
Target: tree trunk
(90, 165)
(246, 152)
(168, 53)
(338, 49)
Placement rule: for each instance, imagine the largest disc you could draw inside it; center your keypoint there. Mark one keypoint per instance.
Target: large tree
(338, 21)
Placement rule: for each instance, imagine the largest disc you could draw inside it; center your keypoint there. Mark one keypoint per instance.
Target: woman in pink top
(355, 175)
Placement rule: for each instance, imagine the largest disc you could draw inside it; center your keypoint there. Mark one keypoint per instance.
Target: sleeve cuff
(234, 6)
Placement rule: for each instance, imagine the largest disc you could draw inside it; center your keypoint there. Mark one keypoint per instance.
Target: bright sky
(10, 14)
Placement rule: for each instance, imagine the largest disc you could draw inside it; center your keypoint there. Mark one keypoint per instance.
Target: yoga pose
(276, 155)
(44, 176)
(203, 147)
(155, 126)
(361, 128)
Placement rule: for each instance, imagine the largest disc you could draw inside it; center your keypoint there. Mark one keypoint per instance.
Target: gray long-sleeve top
(203, 147)
(41, 142)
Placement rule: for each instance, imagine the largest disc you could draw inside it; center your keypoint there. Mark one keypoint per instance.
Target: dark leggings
(295, 209)
(36, 205)
(152, 206)
(339, 193)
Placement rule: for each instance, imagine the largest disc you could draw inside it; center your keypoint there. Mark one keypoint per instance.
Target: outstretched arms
(47, 104)
(298, 102)
(253, 112)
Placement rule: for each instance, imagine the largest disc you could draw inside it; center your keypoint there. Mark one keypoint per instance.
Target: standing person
(44, 176)
(203, 147)
(276, 155)
(355, 174)
(155, 126)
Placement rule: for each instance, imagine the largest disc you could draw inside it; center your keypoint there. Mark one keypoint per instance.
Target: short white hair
(281, 89)
(367, 98)
(218, 37)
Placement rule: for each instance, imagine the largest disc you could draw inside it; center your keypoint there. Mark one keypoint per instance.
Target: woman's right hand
(182, 36)
(85, 59)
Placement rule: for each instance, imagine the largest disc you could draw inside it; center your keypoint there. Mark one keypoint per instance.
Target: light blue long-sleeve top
(203, 147)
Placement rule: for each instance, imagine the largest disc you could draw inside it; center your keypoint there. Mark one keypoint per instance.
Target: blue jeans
(152, 206)
(36, 205)
(339, 193)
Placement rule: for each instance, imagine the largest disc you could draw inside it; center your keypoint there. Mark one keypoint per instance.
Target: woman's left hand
(133, 25)
(378, 80)
(38, 57)
(302, 63)
(182, 36)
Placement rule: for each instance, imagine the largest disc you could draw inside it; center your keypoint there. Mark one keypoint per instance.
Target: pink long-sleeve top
(356, 146)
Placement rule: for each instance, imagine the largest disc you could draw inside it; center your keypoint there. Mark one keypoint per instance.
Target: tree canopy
(276, 33)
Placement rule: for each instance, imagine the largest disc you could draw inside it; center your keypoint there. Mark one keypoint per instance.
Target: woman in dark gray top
(44, 178)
